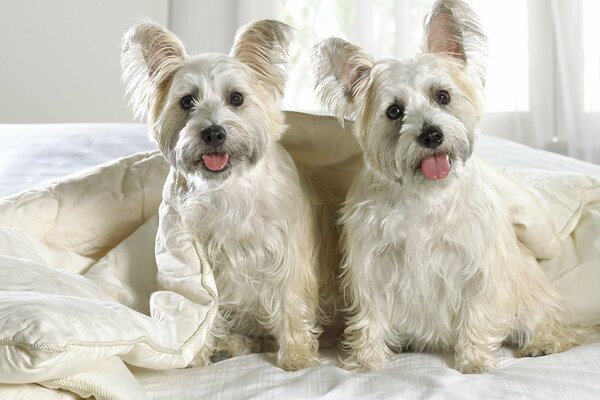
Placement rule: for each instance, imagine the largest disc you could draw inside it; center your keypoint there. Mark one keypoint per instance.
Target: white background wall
(59, 59)
(210, 25)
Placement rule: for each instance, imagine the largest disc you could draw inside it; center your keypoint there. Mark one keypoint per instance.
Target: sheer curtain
(543, 86)
(544, 66)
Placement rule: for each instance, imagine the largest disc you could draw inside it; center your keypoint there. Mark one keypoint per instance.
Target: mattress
(39, 154)
(33, 154)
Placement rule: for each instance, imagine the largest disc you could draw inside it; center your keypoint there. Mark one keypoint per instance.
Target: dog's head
(416, 119)
(212, 115)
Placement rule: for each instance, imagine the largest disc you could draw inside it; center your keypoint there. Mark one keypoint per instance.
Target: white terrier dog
(216, 120)
(431, 258)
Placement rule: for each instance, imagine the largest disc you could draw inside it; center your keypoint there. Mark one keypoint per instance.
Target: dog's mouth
(215, 162)
(436, 166)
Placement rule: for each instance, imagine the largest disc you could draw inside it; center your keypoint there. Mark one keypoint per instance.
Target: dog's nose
(431, 137)
(214, 135)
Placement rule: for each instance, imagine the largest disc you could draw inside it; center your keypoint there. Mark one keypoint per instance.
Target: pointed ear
(150, 55)
(340, 71)
(263, 46)
(454, 30)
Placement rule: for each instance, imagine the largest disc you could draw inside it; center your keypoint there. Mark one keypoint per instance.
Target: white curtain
(544, 67)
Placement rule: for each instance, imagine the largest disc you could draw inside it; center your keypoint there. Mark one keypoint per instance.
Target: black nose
(214, 135)
(431, 137)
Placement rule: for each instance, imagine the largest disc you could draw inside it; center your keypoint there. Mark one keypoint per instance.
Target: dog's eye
(187, 102)
(236, 99)
(442, 97)
(394, 111)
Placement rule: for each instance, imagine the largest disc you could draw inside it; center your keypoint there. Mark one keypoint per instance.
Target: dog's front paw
(202, 359)
(473, 368)
(220, 355)
(365, 359)
(295, 358)
(475, 362)
(553, 339)
(238, 345)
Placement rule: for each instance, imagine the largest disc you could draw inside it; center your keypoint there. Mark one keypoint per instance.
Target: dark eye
(394, 111)
(442, 97)
(187, 102)
(236, 99)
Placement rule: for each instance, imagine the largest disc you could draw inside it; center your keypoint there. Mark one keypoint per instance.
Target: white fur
(259, 236)
(431, 264)
(256, 217)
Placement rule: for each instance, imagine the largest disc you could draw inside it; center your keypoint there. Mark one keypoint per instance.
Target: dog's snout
(214, 135)
(431, 137)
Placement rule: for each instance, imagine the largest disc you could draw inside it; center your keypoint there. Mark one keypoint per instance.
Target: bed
(39, 155)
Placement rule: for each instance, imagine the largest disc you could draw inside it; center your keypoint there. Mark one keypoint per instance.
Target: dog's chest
(435, 238)
(242, 233)
(432, 250)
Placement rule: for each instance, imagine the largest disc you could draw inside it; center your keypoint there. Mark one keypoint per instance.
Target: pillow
(55, 323)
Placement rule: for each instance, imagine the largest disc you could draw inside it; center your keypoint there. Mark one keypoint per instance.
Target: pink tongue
(436, 167)
(215, 162)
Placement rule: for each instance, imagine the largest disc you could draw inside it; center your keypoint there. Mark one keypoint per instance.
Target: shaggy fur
(431, 263)
(256, 216)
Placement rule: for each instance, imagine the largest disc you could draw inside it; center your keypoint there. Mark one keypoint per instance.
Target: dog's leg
(542, 328)
(295, 329)
(298, 344)
(365, 339)
(368, 327)
(479, 335)
(235, 345)
(552, 337)
(365, 334)
(298, 350)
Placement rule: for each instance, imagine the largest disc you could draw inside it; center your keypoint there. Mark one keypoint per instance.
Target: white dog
(216, 120)
(431, 258)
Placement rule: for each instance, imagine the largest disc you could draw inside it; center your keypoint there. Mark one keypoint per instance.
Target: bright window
(506, 25)
(591, 50)
(394, 28)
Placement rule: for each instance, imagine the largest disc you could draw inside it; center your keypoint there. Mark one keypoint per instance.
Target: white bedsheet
(570, 375)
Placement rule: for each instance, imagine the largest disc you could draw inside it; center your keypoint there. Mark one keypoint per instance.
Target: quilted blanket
(96, 272)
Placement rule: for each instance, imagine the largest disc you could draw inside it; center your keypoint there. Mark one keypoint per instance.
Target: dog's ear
(341, 69)
(263, 46)
(150, 55)
(454, 30)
